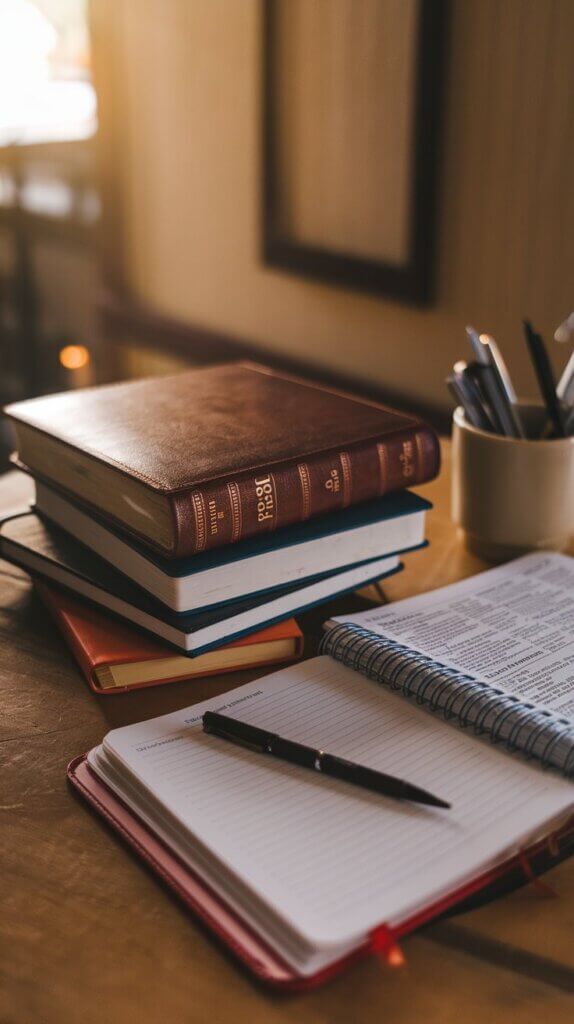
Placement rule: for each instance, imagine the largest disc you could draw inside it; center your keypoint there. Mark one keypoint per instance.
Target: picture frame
(410, 277)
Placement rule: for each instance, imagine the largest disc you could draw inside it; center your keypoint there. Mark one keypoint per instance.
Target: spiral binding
(484, 708)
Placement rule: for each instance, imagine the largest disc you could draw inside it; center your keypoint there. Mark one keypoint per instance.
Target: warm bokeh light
(74, 357)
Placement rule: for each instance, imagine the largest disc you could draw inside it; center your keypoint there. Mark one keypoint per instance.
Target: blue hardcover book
(292, 555)
(47, 551)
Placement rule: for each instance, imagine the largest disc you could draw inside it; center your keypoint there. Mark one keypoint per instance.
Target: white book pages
(321, 858)
(512, 627)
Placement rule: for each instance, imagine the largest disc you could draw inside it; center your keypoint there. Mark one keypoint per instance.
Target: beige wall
(190, 191)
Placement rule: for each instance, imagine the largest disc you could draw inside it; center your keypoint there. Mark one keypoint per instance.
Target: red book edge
(238, 936)
(97, 640)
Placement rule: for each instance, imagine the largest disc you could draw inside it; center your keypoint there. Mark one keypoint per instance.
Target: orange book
(115, 657)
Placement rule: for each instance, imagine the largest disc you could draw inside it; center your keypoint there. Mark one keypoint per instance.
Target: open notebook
(296, 871)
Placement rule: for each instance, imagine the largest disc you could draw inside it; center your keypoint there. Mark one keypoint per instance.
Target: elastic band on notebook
(541, 887)
(553, 846)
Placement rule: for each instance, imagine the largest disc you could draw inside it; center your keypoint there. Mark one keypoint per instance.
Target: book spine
(488, 711)
(224, 512)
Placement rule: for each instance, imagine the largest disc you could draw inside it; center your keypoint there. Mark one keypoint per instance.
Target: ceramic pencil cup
(510, 496)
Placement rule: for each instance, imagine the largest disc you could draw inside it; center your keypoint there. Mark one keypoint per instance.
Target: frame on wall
(412, 279)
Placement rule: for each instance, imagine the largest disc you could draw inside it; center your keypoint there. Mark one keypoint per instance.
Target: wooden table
(87, 934)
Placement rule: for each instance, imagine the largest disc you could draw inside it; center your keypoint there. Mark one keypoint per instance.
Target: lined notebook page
(332, 860)
(512, 626)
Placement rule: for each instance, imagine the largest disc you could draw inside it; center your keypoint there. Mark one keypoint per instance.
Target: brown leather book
(214, 455)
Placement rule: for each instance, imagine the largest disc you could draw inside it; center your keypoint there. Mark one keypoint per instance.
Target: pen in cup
(494, 381)
(485, 390)
(465, 390)
(565, 386)
(545, 378)
(504, 384)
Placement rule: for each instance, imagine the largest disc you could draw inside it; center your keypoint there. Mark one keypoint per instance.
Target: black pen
(264, 742)
(466, 393)
(545, 378)
(473, 410)
(485, 384)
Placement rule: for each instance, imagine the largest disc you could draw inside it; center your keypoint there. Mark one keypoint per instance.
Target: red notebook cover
(98, 640)
(240, 939)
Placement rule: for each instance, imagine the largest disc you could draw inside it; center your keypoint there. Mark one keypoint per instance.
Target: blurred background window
(49, 201)
(46, 93)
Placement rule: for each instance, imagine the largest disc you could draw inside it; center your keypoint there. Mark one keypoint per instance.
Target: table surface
(87, 934)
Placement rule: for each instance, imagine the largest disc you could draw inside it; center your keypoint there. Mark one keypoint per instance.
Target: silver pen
(565, 386)
(495, 359)
(477, 347)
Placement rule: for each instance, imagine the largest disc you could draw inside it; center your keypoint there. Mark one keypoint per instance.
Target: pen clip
(259, 748)
(236, 731)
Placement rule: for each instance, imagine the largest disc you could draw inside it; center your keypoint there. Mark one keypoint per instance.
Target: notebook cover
(238, 937)
(239, 448)
(98, 640)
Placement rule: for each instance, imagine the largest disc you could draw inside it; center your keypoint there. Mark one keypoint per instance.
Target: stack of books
(207, 506)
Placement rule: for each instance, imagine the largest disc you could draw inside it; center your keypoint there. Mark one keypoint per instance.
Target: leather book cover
(237, 448)
(98, 641)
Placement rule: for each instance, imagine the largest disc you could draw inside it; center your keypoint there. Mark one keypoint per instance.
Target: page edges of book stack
(116, 658)
(222, 456)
